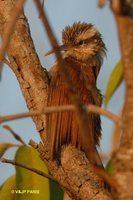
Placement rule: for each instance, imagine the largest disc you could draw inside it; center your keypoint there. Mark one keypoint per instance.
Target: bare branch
(101, 3)
(13, 162)
(10, 28)
(75, 173)
(122, 157)
(48, 110)
(7, 62)
(17, 137)
(108, 178)
(19, 116)
(24, 61)
(33, 144)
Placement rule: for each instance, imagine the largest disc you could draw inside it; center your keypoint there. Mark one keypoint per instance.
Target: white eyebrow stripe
(87, 34)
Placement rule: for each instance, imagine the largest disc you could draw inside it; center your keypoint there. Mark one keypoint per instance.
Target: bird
(83, 52)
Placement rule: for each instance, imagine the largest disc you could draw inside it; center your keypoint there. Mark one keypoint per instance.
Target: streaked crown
(83, 42)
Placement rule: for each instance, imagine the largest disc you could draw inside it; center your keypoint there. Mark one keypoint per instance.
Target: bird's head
(82, 42)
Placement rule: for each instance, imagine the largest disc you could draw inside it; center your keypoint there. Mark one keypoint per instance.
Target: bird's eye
(82, 42)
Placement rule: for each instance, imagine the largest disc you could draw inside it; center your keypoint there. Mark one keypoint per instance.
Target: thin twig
(17, 137)
(10, 28)
(105, 156)
(19, 116)
(104, 112)
(48, 110)
(33, 144)
(101, 3)
(116, 138)
(108, 178)
(42, 7)
(13, 162)
(7, 62)
(10, 144)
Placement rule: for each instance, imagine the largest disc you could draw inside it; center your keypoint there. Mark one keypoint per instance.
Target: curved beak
(59, 48)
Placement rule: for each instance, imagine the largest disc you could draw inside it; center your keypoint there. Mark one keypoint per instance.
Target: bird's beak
(58, 48)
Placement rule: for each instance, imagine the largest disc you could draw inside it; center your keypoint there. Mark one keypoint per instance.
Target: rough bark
(123, 157)
(74, 172)
(25, 63)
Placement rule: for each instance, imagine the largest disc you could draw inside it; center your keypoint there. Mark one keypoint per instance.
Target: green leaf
(115, 80)
(56, 193)
(109, 167)
(8, 188)
(30, 186)
(4, 147)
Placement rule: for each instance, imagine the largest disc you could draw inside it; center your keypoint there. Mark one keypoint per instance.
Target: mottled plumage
(83, 53)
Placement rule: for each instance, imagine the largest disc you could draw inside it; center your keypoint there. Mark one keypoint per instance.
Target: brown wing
(62, 128)
(91, 73)
(58, 124)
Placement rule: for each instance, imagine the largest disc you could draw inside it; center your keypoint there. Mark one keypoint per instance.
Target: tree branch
(101, 3)
(123, 157)
(15, 135)
(10, 28)
(75, 173)
(24, 61)
(13, 162)
(48, 110)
